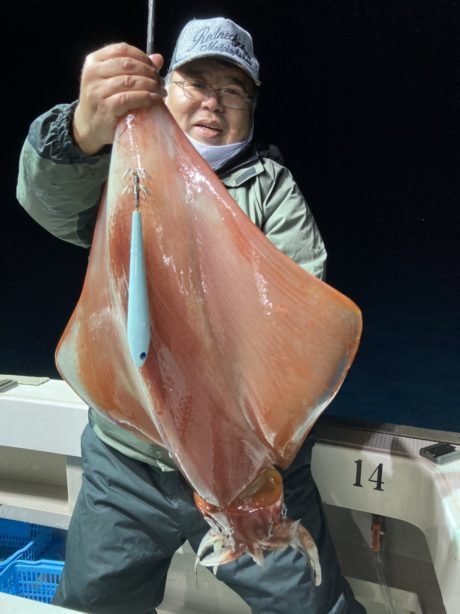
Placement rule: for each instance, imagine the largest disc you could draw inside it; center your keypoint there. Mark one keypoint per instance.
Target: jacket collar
(247, 164)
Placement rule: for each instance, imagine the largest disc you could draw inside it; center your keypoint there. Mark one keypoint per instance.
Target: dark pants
(130, 518)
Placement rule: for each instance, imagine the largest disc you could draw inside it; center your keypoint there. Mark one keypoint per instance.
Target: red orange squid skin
(246, 348)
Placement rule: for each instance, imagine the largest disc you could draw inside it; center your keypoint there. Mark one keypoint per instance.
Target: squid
(240, 348)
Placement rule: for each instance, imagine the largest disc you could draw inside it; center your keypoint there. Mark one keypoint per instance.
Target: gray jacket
(60, 187)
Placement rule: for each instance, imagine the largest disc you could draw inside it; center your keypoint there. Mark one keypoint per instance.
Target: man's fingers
(125, 65)
(119, 50)
(157, 60)
(124, 83)
(122, 103)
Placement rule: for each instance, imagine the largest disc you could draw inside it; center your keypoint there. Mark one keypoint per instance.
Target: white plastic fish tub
(360, 473)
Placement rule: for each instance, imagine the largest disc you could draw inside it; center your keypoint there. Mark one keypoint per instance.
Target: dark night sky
(362, 97)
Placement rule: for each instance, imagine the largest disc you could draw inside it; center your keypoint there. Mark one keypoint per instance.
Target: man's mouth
(208, 130)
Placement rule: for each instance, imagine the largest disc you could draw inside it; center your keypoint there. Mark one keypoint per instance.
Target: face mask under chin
(217, 155)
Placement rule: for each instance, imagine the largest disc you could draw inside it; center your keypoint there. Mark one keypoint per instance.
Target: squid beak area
(249, 519)
(252, 523)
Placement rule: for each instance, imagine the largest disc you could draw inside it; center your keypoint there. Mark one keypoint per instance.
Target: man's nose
(212, 100)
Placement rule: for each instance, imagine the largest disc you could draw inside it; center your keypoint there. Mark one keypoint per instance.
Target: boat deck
(394, 514)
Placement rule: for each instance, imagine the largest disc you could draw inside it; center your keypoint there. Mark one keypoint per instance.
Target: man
(135, 509)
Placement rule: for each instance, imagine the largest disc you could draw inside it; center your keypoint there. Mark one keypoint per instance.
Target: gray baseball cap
(218, 38)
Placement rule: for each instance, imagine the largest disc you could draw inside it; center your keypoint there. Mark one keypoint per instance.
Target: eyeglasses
(231, 97)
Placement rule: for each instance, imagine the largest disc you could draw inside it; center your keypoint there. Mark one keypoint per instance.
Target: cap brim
(217, 56)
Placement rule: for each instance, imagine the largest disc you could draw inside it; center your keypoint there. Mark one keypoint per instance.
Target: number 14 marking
(376, 476)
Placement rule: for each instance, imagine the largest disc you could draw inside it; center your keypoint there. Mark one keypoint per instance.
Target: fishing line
(150, 26)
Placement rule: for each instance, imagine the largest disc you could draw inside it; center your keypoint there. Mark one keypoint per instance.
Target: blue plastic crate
(55, 551)
(21, 540)
(36, 580)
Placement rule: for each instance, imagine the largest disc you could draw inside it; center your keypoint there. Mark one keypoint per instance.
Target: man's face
(208, 120)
